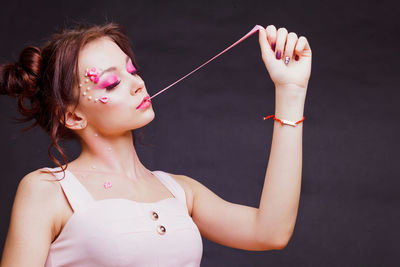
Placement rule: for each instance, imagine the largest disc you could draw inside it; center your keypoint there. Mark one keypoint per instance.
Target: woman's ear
(75, 121)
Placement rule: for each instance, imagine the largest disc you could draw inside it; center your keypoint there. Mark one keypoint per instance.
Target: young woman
(105, 208)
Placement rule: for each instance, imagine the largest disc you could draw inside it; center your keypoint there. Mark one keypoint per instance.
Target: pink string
(255, 29)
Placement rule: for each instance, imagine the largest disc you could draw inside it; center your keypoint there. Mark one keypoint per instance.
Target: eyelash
(112, 86)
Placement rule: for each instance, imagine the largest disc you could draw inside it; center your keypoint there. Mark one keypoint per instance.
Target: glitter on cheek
(130, 68)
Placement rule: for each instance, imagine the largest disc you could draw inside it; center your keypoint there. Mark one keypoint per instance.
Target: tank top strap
(173, 186)
(77, 195)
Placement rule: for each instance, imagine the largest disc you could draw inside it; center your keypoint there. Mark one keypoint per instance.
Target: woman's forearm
(281, 192)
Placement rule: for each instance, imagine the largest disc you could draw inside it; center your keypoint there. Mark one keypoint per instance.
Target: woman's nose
(137, 88)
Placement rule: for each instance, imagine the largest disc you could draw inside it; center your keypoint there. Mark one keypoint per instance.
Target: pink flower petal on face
(93, 69)
(96, 79)
(104, 99)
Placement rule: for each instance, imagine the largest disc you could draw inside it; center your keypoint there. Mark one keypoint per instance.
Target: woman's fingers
(266, 50)
(290, 45)
(281, 36)
(302, 48)
(279, 44)
(271, 35)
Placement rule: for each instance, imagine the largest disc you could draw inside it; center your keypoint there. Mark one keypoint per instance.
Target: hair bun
(21, 78)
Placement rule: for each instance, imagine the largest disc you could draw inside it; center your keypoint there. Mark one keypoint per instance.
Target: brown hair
(46, 77)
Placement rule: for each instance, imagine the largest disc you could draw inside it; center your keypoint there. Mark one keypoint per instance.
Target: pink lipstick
(146, 102)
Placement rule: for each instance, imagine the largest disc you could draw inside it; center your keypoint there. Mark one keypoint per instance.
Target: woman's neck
(110, 154)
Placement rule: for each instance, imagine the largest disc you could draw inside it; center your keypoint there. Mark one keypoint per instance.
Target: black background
(210, 126)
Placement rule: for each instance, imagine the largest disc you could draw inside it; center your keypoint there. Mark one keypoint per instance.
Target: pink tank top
(120, 232)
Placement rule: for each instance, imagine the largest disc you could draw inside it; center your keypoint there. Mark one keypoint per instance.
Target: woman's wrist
(289, 102)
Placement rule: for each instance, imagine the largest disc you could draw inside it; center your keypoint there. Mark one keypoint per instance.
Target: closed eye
(110, 87)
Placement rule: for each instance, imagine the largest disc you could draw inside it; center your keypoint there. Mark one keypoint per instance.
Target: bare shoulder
(27, 244)
(184, 180)
(189, 185)
(40, 187)
(37, 180)
(42, 191)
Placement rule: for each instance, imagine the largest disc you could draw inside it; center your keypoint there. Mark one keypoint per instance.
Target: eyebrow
(113, 68)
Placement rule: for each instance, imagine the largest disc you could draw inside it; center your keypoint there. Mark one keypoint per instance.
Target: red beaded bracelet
(292, 123)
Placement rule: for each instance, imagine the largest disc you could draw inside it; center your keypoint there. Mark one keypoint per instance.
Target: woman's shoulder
(41, 188)
(39, 192)
(33, 217)
(187, 184)
(39, 180)
(184, 181)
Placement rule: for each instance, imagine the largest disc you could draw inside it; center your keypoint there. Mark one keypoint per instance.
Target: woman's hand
(275, 46)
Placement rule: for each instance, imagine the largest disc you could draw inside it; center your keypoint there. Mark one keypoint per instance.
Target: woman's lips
(146, 102)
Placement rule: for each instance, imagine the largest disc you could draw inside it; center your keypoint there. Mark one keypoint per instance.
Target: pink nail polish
(278, 54)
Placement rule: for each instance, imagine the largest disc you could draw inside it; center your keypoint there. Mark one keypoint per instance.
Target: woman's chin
(145, 119)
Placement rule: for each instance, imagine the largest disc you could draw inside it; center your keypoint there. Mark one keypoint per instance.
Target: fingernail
(278, 54)
(273, 46)
(287, 59)
(296, 57)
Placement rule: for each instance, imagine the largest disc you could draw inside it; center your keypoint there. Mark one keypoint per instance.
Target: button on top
(161, 229)
(154, 215)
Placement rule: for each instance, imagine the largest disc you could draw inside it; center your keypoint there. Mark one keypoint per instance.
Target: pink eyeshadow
(130, 68)
(111, 79)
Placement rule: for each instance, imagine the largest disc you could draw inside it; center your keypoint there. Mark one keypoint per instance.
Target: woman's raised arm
(271, 225)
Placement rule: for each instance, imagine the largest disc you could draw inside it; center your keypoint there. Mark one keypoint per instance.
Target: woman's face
(111, 92)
